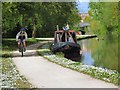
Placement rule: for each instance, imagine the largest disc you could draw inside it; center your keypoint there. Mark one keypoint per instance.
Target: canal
(102, 52)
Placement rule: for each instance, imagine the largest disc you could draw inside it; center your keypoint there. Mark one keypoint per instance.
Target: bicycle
(21, 47)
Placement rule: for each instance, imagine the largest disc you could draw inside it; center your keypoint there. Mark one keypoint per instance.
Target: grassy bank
(10, 75)
(96, 72)
(11, 44)
(8, 45)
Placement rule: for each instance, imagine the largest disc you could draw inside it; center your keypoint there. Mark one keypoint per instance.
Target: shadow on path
(30, 50)
(25, 54)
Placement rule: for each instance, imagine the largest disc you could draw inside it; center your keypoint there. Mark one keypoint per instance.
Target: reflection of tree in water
(108, 52)
(104, 52)
(86, 55)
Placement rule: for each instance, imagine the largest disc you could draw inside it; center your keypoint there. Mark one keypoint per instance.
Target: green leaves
(106, 13)
(41, 17)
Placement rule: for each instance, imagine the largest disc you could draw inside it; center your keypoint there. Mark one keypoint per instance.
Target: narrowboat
(65, 41)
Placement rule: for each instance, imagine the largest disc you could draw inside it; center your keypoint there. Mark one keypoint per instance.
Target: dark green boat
(66, 42)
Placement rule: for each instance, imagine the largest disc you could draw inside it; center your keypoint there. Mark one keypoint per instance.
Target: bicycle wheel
(22, 52)
(21, 48)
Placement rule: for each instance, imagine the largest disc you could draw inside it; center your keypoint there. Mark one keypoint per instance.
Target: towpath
(44, 74)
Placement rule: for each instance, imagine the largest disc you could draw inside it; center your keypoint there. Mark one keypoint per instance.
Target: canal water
(100, 52)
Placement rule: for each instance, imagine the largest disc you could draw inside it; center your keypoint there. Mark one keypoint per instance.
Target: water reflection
(86, 55)
(100, 53)
(87, 59)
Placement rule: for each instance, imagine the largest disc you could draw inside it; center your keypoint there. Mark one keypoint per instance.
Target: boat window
(71, 39)
(65, 37)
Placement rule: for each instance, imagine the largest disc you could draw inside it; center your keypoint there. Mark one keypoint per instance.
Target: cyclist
(21, 36)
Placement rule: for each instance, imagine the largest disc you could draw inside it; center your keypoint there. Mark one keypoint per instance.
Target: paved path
(44, 74)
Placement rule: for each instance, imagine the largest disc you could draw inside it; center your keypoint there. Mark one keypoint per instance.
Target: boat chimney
(57, 28)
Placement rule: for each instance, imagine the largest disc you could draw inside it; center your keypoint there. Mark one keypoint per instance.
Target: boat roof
(60, 31)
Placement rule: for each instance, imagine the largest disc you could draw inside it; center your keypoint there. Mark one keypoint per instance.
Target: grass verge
(111, 76)
(8, 45)
(10, 75)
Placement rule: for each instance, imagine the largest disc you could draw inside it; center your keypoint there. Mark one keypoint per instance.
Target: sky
(83, 7)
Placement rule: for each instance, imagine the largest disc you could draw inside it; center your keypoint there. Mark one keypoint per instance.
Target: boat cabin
(65, 36)
(65, 41)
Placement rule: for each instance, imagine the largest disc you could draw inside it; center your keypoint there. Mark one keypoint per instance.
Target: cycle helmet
(23, 29)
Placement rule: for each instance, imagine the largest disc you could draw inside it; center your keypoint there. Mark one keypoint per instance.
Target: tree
(106, 14)
(41, 17)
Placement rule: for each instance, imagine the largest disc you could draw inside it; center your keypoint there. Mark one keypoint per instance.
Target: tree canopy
(40, 18)
(104, 17)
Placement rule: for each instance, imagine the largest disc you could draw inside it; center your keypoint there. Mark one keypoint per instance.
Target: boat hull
(70, 50)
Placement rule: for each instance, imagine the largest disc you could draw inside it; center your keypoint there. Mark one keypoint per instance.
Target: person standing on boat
(66, 27)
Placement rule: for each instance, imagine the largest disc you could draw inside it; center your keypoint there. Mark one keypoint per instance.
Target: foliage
(104, 17)
(37, 17)
(104, 22)
(87, 19)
